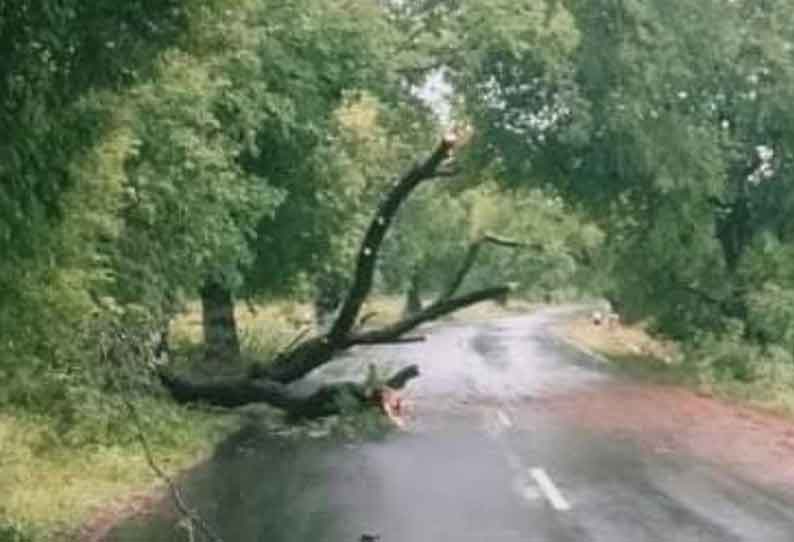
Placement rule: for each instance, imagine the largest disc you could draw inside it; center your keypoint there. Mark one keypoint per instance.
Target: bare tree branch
(433, 312)
(400, 340)
(230, 392)
(370, 247)
(469, 259)
(402, 377)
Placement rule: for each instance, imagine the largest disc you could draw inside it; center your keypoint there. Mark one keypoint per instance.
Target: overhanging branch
(469, 259)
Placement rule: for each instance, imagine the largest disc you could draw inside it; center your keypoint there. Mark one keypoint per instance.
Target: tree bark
(220, 326)
(413, 299)
(233, 392)
(373, 239)
(328, 297)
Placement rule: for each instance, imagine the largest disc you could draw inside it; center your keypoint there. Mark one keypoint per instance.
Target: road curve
(484, 461)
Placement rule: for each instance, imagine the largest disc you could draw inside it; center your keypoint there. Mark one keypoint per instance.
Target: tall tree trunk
(220, 326)
(413, 299)
(327, 298)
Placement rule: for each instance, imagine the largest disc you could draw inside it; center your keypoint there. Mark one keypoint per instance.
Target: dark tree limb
(298, 362)
(399, 379)
(433, 312)
(218, 321)
(413, 297)
(400, 340)
(366, 318)
(230, 392)
(466, 265)
(471, 257)
(370, 247)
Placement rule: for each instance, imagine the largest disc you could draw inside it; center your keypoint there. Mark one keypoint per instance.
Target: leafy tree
(666, 121)
(59, 182)
(549, 250)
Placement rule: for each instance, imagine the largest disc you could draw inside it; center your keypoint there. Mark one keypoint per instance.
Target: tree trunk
(220, 326)
(233, 392)
(327, 298)
(413, 299)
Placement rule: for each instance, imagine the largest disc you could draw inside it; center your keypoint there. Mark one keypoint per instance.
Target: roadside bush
(763, 374)
(771, 315)
(725, 356)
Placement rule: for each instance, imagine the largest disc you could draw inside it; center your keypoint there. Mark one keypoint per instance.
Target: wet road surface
(483, 461)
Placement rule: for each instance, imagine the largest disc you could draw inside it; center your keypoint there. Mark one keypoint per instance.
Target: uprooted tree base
(269, 383)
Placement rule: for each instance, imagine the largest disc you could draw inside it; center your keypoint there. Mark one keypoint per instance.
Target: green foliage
(771, 313)
(669, 124)
(151, 150)
(332, 193)
(436, 229)
(14, 531)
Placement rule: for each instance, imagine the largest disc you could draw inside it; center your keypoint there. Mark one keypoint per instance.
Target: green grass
(58, 472)
(632, 351)
(50, 487)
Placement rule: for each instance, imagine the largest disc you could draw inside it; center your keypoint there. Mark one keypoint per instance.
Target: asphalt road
(480, 462)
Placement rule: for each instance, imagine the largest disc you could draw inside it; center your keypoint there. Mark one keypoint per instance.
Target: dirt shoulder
(665, 410)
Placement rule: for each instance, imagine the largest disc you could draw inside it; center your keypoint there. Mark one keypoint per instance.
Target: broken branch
(433, 312)
(230, 392)
(368, 253)
(471, 257)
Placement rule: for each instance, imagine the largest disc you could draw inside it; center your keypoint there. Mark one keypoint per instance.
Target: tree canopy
(639, 149)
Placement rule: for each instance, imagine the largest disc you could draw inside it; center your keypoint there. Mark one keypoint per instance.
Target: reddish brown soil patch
(144, 503)
(667, 419)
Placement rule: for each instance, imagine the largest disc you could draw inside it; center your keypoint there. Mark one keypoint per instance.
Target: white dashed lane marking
(504, 418)
(497, 422)
(549, 490)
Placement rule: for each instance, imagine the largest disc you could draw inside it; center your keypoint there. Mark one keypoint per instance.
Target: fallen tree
(269, 382)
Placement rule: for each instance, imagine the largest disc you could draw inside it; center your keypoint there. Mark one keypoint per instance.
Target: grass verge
(50, 488)
(632, 350)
